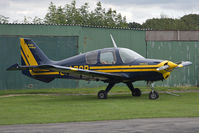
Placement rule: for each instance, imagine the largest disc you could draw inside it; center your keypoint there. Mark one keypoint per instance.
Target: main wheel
(136, 92)
(153, 95)
(102, 94)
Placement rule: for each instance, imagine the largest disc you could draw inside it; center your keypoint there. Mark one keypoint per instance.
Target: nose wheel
(153, 95)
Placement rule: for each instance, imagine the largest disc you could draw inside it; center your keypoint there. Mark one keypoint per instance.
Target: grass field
(116, 89)
(56, 106)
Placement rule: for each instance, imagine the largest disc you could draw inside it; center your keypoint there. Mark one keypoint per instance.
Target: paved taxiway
(159, 125)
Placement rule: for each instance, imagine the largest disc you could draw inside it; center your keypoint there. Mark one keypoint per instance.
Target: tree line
(187, 22)
(71, 14)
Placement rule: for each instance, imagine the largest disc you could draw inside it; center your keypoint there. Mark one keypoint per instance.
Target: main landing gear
(102, 94)
(134, 91)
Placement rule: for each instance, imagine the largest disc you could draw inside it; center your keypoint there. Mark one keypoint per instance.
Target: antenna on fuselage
(114, 44)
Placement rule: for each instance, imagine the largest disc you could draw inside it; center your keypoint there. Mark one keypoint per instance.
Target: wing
(81, 73)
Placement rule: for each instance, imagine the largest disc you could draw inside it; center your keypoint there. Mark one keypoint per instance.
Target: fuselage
(117, 60)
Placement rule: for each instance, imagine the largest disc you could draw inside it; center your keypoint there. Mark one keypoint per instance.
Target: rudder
(31, 54)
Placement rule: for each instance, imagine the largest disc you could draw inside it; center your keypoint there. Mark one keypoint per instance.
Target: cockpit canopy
(109, 56)
(128, 55)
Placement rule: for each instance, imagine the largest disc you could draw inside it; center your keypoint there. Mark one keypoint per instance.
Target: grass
(116, 89)
(67, 108)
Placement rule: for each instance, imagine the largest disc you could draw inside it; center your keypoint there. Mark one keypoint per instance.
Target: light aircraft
(110, 65)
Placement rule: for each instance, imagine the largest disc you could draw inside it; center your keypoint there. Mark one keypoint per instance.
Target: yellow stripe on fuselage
(127, 66)
(46, 73)
(128, 70)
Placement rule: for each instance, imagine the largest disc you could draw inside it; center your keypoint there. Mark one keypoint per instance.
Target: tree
(97, 16)
(164, 24)
(4, 19)
(84, 13)
(187, 22)
(191, 21)
(26, 20)
(55, 15)
(37, 20)
(70, 14)
(134, 25)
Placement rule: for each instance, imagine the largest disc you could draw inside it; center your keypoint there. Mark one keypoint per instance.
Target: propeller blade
(163, 67)
(184, 63)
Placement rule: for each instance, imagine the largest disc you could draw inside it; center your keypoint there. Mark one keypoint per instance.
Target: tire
(136, 92)
(153, 95)
(102, 94)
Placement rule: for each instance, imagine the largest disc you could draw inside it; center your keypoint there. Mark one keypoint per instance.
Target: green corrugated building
(62, 41)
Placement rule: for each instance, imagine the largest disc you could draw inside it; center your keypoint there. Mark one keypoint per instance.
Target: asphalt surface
(159, 125)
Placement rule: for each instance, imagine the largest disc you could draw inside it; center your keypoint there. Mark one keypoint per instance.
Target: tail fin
(31, 54)
(33, 59)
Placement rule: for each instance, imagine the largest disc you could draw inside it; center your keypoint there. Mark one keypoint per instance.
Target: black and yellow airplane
(110, 65)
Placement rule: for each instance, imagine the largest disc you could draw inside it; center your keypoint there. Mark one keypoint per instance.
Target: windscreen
(128, 55)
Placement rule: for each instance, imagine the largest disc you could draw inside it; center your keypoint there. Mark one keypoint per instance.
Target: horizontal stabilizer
(13, 67)
(16, 67)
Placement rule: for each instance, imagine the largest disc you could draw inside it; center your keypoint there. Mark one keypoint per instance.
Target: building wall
(172, 35)
(11, 54)
(59, 42)
(177, 51)
(176, 46)
(62, 41)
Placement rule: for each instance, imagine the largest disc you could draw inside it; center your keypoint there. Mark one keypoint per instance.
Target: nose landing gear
(153, 95)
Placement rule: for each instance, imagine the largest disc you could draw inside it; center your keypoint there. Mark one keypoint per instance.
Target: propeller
(171, 65)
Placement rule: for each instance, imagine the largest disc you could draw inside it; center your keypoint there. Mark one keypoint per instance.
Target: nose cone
(171, 65)
(166, 67)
